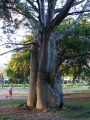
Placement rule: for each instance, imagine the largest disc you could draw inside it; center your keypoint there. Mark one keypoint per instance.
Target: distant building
(66, 80)
(6, 80)
(1, 80)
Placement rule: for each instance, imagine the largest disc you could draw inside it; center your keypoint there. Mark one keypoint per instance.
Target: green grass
(0, 117)
(13, 102)
(77, 110)
(5, 117)
(73, 110)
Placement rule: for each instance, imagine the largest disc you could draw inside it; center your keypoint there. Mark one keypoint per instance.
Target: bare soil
(23, 113)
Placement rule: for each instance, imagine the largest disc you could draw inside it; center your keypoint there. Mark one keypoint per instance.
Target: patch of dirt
(24, 114)
(17, 113)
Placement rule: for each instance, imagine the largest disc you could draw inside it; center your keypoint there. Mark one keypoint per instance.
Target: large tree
(43, 15)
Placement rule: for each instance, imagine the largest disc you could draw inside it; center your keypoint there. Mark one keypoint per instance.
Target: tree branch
(74, 4)
(14, 50)
(41, 12)
(76, 55)
(33, 6)
(29, 16)
(59, 18)
(50, 10)
(78, 12)
(25, 44)
(60, 34)
(77, 3)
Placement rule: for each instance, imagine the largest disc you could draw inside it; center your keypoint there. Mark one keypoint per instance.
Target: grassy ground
(9, 103)
(12, 102)
(73, 110)
(77, 110)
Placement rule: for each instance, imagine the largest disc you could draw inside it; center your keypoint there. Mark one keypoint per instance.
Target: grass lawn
(73, 110)
(77, 110)
(12, 102)
(6, 103)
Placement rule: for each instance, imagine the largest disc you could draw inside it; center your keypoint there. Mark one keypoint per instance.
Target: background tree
(76, 41)
(18, 68)
(45, 81)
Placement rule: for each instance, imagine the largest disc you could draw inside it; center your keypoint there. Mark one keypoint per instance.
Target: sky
(3, 58)
(18, 37)
(6, 57)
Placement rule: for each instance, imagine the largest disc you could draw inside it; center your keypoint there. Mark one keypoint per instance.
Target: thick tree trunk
(45, 88)
(43, 73)
(45, 82)
(32, 97)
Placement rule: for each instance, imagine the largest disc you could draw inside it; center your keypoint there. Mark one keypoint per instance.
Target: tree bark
(32, 97)
(45, 87)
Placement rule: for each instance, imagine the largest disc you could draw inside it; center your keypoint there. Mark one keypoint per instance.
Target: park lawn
(5, 117)
(73, 110)
(7, 103)
(12, 102)
(77, 110)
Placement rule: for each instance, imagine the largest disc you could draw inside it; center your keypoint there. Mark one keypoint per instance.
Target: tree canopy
(36, 15)
(43, 16)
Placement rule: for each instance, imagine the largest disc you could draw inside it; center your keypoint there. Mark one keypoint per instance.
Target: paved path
(20, 93)
(15, 96)
(23, 97)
